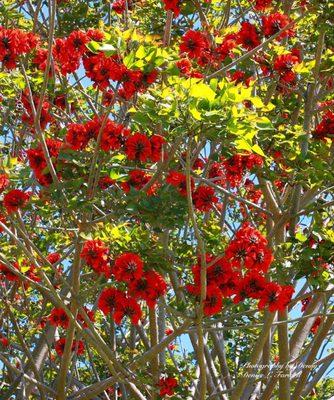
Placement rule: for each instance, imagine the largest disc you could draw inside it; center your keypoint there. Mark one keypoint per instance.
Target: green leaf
(257, 149)
(202, 91)
(194, 112)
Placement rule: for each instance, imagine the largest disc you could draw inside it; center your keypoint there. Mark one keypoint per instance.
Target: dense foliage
(166, 199)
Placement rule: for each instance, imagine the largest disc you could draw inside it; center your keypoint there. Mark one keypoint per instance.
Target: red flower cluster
(252, 194)
(204, 198)
(185, 67)
(275, 296)
(247, 251)
(38, 163)
(196, 46)
(14, 200)
(28, 116)
(179, 181)
(77, 346)
(118, 304)
(326, 127)
(119, 6)
(149, 287)
(167, 386)
(102, 70)
(283, 65)
(14, 43)
(248, 36)
(7, 274)
(53, 258)
(105, 182)
(139, 147)
(128, 267)
(240, 77)
(236, 166)
(220, 280)
(273, 23)
(137, 180)
(58, 317)
(142, 285)
(95, 255)
(173, 5)
(67, 52)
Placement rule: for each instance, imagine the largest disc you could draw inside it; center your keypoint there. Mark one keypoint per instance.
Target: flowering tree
(166, 209)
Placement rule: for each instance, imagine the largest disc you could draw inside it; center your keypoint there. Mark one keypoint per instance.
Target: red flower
(219, 273)
(204, 198)
(128, 267)
(172, 5)
(105, 182)
(113, 136)
(259, 259)
(14, 200)
(138, 147)
(36, 159)
(149, 287)
(285, 62)
(4, 341)
(76, 43)
(127, 306)
(184, 65)
(216, 172)
(167, 386)
(193, 43)
(58, 317)
(326, 127)
(4, 182)
(251, 235)
(95, 34)
(315, 326)
(119, 6)
(273, 23)
(53, 258)
(101, 69)
(137, 179)
(225, 48)
(96, 256)
(157, 142)
(77, 346)
(14, 42)
(77, 136)
(38, 163)
(28, 117)
(6, 273)
(276, 297)
(248, 36)
(90, 315)
(178, 180)
(251, 286)
(108, 300)
(213, 302)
